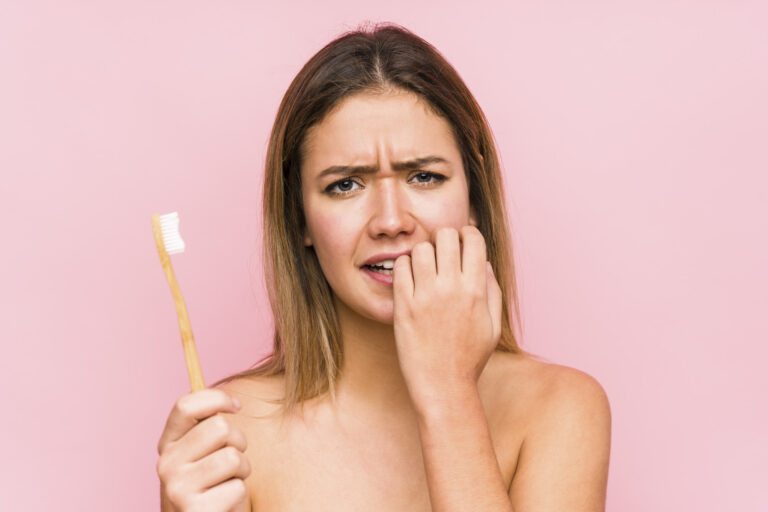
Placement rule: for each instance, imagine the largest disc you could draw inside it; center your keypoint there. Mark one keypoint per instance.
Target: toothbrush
(168, 240)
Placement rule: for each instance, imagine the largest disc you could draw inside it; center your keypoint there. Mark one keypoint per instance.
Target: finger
(402, 278)
(209, 435)
(447, 252)
(473, 256)
(218, 467)
(423, 264)
(224, 496)
(495, 301)
(190, 409)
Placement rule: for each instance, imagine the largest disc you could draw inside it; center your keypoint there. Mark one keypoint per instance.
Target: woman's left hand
(447, 313)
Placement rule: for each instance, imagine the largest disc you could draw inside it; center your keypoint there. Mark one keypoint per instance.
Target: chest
(379, 468)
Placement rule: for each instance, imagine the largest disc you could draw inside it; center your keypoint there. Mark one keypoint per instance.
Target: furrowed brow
(370, 169)
(417, 162)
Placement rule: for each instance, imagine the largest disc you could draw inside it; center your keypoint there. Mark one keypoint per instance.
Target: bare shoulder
(565, 448)
(569, 394)
(259, 395)
(543, 388)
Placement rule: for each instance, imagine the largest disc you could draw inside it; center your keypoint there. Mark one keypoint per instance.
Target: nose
(391, 212)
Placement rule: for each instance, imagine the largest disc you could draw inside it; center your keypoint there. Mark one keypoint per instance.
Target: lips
(373, 260)
(380, 277)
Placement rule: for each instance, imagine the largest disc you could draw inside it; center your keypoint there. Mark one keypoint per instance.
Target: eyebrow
(370, 169)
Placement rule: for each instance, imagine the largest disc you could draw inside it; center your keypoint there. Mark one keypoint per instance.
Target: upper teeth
(388, 264)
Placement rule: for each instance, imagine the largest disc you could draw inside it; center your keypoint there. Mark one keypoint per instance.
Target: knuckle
(240, 488)
(162, 468)
(231, 456)
(175, 493)
(223, 396)
(183, 407)
(219, 437)
(221, 426)
(247, 467)
(241, 438)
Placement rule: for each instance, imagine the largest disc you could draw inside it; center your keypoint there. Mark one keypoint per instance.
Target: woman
(396, 381)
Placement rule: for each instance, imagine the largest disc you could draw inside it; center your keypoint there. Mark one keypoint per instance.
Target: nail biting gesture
(447, 312)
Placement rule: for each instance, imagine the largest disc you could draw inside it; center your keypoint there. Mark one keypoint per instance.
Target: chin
(383, 315)
(381, 311)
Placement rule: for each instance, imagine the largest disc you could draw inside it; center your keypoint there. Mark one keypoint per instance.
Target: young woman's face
(355, 214)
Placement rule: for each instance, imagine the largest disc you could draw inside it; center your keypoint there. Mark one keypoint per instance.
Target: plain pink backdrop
(633, 137)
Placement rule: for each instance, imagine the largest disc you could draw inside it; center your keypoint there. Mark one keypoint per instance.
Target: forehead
(400, 124)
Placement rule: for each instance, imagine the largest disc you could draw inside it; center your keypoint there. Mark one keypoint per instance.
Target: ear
(307, 239)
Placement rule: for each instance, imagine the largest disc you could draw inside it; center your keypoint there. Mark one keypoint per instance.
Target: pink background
(633, 137)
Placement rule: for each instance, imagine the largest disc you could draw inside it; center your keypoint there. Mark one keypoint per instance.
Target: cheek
(444, 212)
(332, 237)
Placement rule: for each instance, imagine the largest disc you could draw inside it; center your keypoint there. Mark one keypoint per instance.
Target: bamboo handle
(187, 340)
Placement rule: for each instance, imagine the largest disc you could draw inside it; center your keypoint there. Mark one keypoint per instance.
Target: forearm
(463, 473)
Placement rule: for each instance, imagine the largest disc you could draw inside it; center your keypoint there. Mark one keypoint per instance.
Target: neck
(370, 381)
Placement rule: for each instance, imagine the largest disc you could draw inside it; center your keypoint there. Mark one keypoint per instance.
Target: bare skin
(390, 440)
(349, 457)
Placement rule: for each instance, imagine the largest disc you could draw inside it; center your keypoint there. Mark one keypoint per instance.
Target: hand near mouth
(447, 313)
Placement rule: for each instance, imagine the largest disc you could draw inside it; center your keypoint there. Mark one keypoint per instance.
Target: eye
(431, 176)
(345, 187)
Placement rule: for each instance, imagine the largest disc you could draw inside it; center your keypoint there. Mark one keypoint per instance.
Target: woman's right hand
(202, 464)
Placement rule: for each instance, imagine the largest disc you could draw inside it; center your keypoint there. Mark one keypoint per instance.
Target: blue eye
(437, 178)
(344, 187)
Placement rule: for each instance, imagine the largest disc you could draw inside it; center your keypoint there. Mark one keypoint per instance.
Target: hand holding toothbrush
(202, 464)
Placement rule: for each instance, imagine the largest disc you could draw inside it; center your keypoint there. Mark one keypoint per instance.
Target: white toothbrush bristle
(169, 226)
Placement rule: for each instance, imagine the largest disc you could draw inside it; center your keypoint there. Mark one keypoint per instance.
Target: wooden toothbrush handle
(187, 340)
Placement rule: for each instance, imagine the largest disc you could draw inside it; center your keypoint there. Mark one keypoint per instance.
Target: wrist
(448, 400)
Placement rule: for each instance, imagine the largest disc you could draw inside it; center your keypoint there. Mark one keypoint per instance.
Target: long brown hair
(307, 338)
